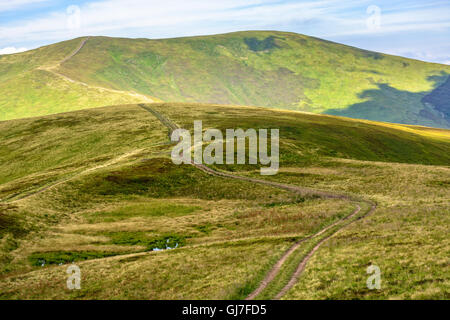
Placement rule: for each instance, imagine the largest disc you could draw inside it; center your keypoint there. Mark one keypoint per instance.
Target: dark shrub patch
(63, 257)
(283, 203)
(10, 222)
(142, 239)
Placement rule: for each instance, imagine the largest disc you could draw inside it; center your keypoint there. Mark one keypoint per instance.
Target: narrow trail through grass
(322, 236)
(22, 196)
(52, 69)
(288, 268)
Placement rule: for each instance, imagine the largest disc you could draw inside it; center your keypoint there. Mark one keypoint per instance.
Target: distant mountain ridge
(262, 68)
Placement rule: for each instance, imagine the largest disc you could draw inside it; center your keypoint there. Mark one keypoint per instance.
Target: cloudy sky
(412, 28)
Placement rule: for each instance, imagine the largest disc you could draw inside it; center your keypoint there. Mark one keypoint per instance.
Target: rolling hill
(71, 191)
(263, 68)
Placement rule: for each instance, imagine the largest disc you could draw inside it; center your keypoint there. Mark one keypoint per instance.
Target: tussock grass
(103, 193)
(155, 209)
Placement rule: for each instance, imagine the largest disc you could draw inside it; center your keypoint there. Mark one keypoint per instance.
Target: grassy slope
(275, 69)
(308, 135)
(29, 89)
(134, 197)
(72, 140)
(40, 92)
(306, 138)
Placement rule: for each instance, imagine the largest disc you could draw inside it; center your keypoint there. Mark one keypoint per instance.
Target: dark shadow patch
(371, 54)
(10, 222)
(400, 106)
(131, 259)
(155, 175)
(206, 228)
(297, 200)
(439, 183)
(257, 45)
(439, 98)
(372, 71)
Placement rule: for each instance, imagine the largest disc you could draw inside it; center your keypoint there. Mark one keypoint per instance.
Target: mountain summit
(262, 68)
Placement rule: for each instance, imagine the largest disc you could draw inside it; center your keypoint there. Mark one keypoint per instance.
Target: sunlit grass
(114, 195)
(263, 68)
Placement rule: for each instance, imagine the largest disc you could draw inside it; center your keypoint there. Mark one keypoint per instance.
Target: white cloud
(337, 20)
(10, 50)
(112, 17)
(416, 18)
(423, 50)
(172, 18)
(7, 5)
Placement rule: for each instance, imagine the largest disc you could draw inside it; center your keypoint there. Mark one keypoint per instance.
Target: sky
(412, 28)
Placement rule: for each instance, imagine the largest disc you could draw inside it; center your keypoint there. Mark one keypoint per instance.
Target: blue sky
(411, 28)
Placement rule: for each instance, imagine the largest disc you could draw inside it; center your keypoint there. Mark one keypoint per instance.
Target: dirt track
(16, 198)
(296, 189)
(299, 190)
(75, 51)
(53, 69)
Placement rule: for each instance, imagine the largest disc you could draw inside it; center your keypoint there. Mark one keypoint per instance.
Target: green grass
(307, 138)
(11, 222)
(114, 195)
(263, 68)
(399, 241)
(64, 143)
(141, 239)
(142, 210)
(39, 92)
(299, 254)
(62, 257)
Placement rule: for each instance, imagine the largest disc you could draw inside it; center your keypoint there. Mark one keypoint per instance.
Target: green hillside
(67, 140)
(274, 69)
(31, 86)
(97, 187)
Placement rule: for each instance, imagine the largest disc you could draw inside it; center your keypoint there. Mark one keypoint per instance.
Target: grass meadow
(98, 188)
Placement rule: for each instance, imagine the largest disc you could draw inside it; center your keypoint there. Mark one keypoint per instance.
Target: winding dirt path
(277, 267)
(52, 69)
(299, 190)
(295, 189)
(111, 162)
(75, 51)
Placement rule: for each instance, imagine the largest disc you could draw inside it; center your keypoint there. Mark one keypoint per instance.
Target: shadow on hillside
(439, 98)
(400, 106)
